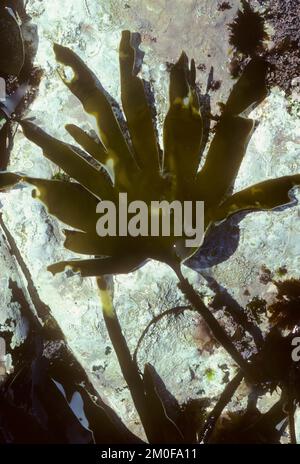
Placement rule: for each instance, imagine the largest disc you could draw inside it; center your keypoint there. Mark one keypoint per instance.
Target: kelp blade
(164, 430)
(249, 90)
(183, 125)
(99, 266)
(95, 149)
(91, 243)
(71, 162)
(67, 201)
(90, 92)
(8, 179)
(137, 109)
(224, 158)
(263, 196)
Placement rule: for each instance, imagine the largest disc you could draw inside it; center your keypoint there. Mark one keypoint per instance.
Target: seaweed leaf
(66, 158)
(99, 266)
(87, 88)
(183, 126)
(263, 196)
(249, 90)
(12, 53)
(137, 109)
(91, 244)
(62, 199)
(223, 160)
(95, 149)
(164, 429)
(106, 426)
(8, 179)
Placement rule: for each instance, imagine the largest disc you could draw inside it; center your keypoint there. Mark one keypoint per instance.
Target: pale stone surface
(93, 29)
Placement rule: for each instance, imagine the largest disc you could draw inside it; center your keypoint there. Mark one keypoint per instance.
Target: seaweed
(247, 32)
(12, 54)
(247, 428)
(139, 171)
(19, 78)
(111, 164)
(285, 312)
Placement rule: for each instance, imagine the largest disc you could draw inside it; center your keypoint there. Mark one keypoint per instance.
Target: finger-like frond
(183, 125)
(92, 95)
(67, 201)
(70, 162)
(224, 158)
(91, 243)
(137, 109)
(99, 266)
(249, 90)
(8, 179)
(95, 149)
(263, 196)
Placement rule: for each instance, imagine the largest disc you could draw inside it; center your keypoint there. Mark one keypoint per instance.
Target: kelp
(137, 168)
(285, 311)
(247, 32)
(250, 427)
(12, 54)
(19, 77)
(143, 175)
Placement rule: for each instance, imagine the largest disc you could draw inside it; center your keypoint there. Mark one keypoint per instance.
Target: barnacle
(139, 170)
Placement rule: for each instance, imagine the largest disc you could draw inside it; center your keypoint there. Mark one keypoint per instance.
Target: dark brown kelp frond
(86, 244)
(249, 90)
(99, 266)
(224, 159)
(164, 429)
(94, 148)
(266, 196)
(12, 53)
(105, 424)
(215, 414)
(92, 244)
(183, 127)
(137, 109)
(70, 162)
(8, 179)
(62, 200)
(90, 92)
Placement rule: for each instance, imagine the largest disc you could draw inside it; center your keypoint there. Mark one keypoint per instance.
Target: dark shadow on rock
(224, 299)
(219, 244)
(222, 241)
